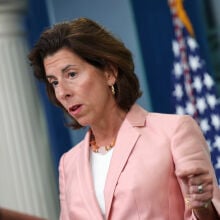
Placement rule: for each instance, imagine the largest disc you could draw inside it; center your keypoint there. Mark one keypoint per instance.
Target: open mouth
(74, 108)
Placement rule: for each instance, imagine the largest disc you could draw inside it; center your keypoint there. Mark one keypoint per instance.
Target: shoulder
(152, 118)
(171, 123)
(168, 119)
(166, 123)
(69, 158)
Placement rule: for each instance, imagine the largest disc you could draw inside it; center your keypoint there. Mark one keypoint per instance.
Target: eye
(72, 74)
(54, 83)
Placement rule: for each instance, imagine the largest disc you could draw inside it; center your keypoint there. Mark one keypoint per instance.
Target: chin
(83, 123)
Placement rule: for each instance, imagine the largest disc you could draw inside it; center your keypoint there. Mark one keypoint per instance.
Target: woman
(131, 164)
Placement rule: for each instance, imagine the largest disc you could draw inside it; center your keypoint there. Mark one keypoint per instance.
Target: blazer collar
(137, 116)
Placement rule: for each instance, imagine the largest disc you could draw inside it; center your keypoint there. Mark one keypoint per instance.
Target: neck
(107, 130)
(100, 149)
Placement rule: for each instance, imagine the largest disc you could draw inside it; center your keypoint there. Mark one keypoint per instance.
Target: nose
(63, 91)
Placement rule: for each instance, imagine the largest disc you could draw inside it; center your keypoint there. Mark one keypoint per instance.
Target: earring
(113, 90)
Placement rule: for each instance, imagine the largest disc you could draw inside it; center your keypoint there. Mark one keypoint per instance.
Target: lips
(74, 109)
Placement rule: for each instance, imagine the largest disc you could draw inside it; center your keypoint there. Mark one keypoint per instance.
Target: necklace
(99, 149)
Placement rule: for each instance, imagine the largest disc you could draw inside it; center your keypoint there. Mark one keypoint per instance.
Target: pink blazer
(151, 151)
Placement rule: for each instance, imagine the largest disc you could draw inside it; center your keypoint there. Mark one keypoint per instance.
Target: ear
(111, 73)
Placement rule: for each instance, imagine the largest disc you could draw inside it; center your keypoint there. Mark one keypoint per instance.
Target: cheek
(93, 88)
(89, 86)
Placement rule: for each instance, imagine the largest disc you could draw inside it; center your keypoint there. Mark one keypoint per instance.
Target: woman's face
(82, 89)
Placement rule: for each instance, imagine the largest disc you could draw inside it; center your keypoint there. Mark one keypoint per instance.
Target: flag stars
(180, 110)
(197, 84)
(192, 43)
(201, 105)
(215, 121)
(178, 91)
(204, 125)
(190, 108)
(217, 142)
(212, 101)
(208, 81)
(217, 165)
(177, 69)
(194, 63)
(176, 49)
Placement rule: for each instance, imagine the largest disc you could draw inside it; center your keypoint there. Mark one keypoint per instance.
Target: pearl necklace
(99, 149)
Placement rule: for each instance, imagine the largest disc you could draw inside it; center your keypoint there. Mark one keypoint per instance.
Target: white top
(99, 166)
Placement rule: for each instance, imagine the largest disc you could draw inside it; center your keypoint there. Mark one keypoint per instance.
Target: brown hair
(97, 46)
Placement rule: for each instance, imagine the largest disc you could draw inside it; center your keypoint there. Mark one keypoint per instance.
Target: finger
(201, 198)
(199, 204)
(194, 171)
(200, 179)
(199, 189)
(196, 204)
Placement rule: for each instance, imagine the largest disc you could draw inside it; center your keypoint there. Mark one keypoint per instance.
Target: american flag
(193, 89)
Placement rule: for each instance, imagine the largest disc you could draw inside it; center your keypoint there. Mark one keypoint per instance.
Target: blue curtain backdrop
(155, 30)
(37, 20)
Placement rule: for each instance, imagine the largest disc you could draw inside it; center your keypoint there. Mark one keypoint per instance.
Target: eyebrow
(62, 70)
(66, 68)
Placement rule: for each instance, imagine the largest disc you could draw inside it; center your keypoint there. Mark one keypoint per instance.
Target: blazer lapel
(123, 147)
(86, 181)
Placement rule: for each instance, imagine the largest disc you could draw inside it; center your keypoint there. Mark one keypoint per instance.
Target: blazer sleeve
(190, 150)
(63, 204)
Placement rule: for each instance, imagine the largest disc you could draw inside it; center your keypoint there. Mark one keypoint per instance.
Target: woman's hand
(198, 187)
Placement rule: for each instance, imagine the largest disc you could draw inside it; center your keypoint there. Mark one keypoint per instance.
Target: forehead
(61, 54)
(60, 59)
